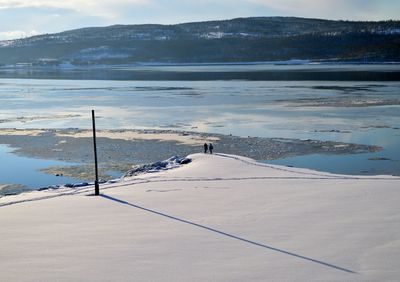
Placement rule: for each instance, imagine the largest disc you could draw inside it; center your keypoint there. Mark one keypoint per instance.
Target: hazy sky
(19, 18)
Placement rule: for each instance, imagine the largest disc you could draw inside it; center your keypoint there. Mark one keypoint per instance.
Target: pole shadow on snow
(229, 235)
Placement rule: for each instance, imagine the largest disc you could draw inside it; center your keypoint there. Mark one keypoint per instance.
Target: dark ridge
(238, 40)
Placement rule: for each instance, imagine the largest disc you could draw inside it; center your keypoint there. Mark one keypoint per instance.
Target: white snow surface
(218, 218)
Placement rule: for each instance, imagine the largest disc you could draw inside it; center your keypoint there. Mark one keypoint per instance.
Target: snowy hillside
(237, 40)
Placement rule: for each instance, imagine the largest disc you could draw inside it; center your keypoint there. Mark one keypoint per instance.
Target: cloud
(104, 8)
(65, 4)
(333, 9)
(12, 34)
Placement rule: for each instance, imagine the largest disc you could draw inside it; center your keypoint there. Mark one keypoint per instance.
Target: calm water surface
(24, 171)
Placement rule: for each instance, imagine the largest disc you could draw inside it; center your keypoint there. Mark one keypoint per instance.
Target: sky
(22, 18)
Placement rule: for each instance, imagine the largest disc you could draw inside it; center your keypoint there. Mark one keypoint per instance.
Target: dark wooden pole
(96, 182)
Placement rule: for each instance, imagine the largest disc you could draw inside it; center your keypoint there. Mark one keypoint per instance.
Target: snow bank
(218, 218)
(170, 163)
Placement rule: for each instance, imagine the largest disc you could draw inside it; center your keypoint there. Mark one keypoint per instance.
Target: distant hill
(238, 40)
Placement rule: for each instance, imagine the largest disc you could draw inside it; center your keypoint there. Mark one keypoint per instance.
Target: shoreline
(120, 149)
(251, 72)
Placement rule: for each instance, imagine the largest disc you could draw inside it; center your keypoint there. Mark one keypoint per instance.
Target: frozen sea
(322, 108)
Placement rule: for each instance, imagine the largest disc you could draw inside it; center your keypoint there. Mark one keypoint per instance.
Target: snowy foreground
(218, 218)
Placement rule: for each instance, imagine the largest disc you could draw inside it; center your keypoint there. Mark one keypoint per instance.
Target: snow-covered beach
(218, 218)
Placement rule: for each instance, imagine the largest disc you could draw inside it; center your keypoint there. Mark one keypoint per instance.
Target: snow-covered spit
(216, 218)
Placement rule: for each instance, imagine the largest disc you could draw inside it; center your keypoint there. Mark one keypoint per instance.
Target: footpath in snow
(217, 218)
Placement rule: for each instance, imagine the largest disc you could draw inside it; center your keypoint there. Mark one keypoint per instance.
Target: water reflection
(26, 171)
(344, 111)
(359, 164)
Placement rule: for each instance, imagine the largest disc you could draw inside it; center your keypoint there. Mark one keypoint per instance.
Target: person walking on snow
(205, 148)
(211, 147)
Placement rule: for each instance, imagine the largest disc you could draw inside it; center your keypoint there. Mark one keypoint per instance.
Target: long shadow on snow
(228, 235)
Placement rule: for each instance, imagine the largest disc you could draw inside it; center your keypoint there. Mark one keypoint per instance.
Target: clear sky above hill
(20, 18)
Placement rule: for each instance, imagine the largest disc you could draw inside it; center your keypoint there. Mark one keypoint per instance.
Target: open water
(323, 108)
